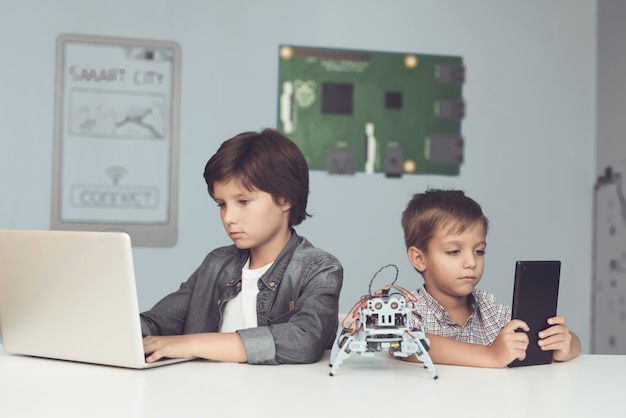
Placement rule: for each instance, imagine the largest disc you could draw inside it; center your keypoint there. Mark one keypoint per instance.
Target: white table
(589, 386)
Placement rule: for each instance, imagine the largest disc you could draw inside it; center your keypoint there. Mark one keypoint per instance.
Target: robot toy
(381, 321)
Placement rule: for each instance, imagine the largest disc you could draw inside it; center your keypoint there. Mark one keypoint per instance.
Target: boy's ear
(284, 204)
(417, 259)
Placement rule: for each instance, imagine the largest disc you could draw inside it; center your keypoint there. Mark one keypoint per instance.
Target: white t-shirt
(240, 312)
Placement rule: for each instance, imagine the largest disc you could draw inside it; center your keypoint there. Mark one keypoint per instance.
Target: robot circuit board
(373, 112)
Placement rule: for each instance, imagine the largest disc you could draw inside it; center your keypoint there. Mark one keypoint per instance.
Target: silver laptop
(71, 295)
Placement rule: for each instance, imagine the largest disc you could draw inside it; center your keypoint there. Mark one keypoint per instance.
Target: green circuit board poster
(374, 112)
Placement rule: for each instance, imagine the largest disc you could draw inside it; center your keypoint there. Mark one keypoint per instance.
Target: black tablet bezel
(535, 299)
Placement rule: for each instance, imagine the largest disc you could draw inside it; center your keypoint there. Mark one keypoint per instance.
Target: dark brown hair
(427, 212)
(266, 161)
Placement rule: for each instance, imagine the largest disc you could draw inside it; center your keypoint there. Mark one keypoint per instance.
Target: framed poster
(373, 112)
(115, 160)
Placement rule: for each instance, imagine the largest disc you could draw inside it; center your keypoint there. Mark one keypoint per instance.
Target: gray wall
(530, 126)
(611, 127)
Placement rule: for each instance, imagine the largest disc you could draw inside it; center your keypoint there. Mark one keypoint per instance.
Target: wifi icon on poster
(116, 172)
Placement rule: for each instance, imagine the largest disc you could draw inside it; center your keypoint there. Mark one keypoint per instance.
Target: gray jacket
(297, 304)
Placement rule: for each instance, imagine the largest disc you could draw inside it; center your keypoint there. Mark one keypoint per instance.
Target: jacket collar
(272, 277)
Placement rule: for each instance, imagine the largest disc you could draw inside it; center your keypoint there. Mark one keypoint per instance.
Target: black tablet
(535, 298)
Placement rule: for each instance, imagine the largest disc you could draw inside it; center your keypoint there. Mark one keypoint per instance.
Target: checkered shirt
(482, 326)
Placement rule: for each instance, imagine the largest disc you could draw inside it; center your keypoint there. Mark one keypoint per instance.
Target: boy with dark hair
(271, 297)
(445, 235)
